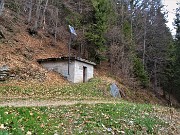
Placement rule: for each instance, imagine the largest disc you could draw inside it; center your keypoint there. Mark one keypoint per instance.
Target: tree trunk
(144, 42)
(155, 76)
(164, 93)
(122, 27)
(56, 25)
(43, 15)
(1, 6)
(30, 12)
(37, 15)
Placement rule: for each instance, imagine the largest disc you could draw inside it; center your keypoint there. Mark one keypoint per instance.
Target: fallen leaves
(29, 133)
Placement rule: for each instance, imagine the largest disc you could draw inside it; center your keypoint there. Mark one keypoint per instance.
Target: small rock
(4, 68)
(109, 129)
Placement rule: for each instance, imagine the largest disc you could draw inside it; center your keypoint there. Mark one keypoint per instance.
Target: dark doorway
(84, 74)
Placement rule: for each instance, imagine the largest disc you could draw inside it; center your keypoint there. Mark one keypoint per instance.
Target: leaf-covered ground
(84, 108)
(117, 118)
(94, 88)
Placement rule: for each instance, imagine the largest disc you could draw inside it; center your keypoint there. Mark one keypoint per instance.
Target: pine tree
(177, 55)
(95, 35)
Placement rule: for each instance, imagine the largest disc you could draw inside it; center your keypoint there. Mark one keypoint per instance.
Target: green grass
(19, 121)
(81, 119)
(89, 89)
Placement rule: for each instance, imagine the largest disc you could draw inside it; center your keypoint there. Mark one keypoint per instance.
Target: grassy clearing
(93, 88)
(81, 119)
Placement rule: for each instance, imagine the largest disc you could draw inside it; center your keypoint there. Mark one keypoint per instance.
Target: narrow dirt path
(38, 103)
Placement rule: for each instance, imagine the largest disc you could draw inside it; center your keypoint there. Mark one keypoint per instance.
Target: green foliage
(74, 20)
(139, 72)
(167, 74)
(13, 5)
(95, 34)
(127, 29)
(176, 89)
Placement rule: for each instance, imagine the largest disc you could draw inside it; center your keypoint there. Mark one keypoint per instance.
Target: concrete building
(80, 70)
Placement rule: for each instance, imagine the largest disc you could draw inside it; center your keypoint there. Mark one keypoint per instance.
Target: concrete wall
(79, 71)
(76, 69)
(61, 67)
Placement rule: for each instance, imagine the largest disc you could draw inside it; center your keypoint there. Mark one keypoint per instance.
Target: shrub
(140, 72)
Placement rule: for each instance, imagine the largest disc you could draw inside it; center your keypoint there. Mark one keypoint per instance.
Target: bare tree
(38, 9)
(29, 6)
(43, 15)
(144, 39)
(1, 6)
(56, 25)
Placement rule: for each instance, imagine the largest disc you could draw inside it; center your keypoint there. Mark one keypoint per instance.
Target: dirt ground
(38, 103)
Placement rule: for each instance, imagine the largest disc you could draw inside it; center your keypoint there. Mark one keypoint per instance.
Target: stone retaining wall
(4, 73)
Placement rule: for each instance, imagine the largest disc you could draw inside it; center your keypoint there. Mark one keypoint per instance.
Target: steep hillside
(20, 49)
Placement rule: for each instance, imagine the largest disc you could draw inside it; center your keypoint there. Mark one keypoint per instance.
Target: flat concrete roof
(66, 59)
